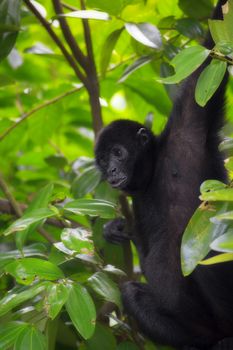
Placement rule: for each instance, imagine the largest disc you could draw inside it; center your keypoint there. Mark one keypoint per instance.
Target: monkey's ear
(143, 136)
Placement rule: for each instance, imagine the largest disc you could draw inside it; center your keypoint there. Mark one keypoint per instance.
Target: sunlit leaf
(209, 80)
(224, 243)
(88, 14)
(77, 239)
(27, 269)
(145, 33)
(185, 63)
(16, 297)
(57, 295)
(217, 259)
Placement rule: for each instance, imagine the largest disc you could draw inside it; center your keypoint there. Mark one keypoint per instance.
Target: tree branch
(78, 54)
(37, 108)
(55, 38)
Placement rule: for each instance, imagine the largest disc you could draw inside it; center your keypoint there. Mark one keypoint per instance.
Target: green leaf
(185, 63)
(222, 31)
(88, 14)
(134, 66)
(86, 182)
(33, 217)
(9, 333)
(224, 243)
(189, 27)
(198, 236)
(107, 49)
(92, 207)
(27, 269)
(220, 195)
(112, 269)
(57, 161)
(223, 217)
(81, 310)
(197, 9)
(113, 7)
(31, 339)
(217, 259)
(146, 33)
(16, 297)
(105, 287)
(41, 200)
(209, 80)
(211, 185)
(102, 339)
(9, 25)
(57, 295)
(77, 239)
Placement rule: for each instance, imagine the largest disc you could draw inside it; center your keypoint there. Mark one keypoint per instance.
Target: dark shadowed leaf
(86, 182)
(197, 9)
(189, 27)
(209, 80)
(145, 33)
(103, 338)
(134, 66)
(81, 310)
(127, 346)
(107, 49)
(105, 287)
(9, 25)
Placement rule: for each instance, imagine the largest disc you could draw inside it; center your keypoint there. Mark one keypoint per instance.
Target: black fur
(163, 175)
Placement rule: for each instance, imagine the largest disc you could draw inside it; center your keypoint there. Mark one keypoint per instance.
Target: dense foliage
(67, 68)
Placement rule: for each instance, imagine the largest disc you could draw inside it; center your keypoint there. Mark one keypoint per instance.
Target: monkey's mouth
(118, 183)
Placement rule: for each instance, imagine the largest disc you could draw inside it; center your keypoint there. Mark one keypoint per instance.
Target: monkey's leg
(159, 324)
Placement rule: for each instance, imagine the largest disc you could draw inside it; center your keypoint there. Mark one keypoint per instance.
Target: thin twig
(37, 108)
(78, 54)
(56, 39)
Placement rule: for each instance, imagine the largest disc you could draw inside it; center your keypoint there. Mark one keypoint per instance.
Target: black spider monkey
(163, 175)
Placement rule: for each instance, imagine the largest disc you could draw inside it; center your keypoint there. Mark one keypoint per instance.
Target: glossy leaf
(223, 243)
(107, 49)
(228, 215)
(86, 182)
(9, 333)
(27, 269)
(88, 14)
(212, 185)
(77, 239)
(145, 33)
(81, 310)
(220, 195)
(209, 80)
(221, 258)
(57, 295)
(185, 63)
(31, 339)
(16, 297)
(198, 236)
(92, 207)
(33, 217)
(105, 287)
(134, 66)
(189, 27)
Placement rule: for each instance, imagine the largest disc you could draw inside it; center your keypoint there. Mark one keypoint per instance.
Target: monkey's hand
(115, 231)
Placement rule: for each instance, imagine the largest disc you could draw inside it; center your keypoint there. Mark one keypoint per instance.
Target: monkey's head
(124, 151)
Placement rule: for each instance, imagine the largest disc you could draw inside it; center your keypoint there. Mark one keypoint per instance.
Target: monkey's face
(115, 166)
(121, 151)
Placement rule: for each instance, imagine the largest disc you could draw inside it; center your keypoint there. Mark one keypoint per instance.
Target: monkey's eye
(117, 152)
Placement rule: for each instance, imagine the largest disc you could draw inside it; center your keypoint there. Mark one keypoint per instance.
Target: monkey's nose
(113, 170)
